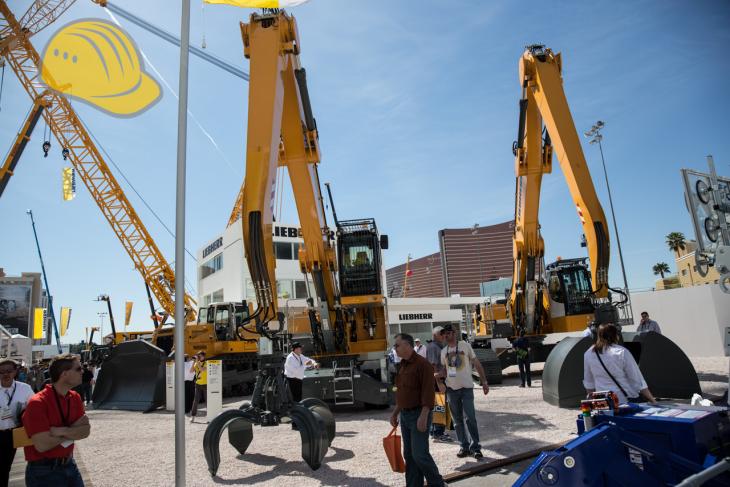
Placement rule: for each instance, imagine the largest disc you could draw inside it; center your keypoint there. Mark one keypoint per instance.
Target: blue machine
(640, 446)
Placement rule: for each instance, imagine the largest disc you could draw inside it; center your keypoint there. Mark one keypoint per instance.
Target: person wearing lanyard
(54, 419)
(13, 397)
(294, 367)
(458, 358)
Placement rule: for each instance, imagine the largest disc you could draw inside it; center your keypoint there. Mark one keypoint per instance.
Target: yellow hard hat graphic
(96, 61)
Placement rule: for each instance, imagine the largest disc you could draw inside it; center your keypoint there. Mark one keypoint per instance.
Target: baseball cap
(437, 330)
(447, 328)
(296, 345)
(417, 340)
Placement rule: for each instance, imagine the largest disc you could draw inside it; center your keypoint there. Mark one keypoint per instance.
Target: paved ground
(138, 449)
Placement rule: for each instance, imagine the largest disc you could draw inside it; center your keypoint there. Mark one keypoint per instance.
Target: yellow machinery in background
(347, 319)
(570, 294)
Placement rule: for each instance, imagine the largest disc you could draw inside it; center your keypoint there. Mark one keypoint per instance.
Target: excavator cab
(569, 288)
(359, 257)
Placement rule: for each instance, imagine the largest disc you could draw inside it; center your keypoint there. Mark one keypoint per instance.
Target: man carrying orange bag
(413, 408)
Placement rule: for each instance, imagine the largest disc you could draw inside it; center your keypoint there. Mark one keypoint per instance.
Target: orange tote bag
(391, 444)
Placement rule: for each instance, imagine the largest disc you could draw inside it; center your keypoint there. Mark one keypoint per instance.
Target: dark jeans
(461, 402)
(437, 430)
(86, 392)
(419, 462)
(189, 393)
(67, 475)
(524, 365)
(7, 454)
(295, 386)
(200, 391)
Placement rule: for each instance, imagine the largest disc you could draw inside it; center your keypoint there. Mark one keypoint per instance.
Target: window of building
(283, 250)
(211, 266)
(694, 268)
(284, 288)
(295, 251)
(217, 296)
(300, 289)
(684, 272)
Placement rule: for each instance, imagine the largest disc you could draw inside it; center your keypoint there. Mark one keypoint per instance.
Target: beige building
(687, 274)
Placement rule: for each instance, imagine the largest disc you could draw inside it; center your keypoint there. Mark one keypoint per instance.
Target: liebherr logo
(415, 316)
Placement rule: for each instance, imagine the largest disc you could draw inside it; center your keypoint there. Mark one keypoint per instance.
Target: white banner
(170, 386)
(214, 399)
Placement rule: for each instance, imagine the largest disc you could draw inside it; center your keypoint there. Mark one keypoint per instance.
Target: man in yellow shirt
(201, 382)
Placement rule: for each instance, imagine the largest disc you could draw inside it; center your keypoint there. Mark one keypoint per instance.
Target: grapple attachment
(313, 418)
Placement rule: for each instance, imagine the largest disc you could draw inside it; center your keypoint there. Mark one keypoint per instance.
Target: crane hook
(46, 147)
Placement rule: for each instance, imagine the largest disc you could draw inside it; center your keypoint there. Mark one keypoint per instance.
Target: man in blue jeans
(458, 358)
(414, 403)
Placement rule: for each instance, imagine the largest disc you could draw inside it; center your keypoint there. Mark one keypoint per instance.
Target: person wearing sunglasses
(13, 397)
(54, 419)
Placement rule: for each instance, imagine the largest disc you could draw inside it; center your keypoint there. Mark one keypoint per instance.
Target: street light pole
(595, 134)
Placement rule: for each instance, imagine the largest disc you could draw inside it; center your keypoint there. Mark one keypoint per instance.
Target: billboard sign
(15, 306)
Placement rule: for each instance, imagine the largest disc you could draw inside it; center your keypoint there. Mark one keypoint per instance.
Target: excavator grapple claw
(313, 419)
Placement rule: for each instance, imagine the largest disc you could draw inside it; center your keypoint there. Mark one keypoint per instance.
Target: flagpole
(182, 128)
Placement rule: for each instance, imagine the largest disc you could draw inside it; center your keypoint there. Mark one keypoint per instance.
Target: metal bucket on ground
(665, 367)
(132, 378)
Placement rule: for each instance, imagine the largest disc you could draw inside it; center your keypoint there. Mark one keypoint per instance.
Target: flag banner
(65, 320)
(127, 313)
(69, 183)
(258, 3)
(38, 321)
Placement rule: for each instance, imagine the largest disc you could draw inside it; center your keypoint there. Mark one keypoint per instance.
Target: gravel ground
(138, 449)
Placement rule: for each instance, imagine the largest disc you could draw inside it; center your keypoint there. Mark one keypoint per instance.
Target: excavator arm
(546, 126)
(281, 131)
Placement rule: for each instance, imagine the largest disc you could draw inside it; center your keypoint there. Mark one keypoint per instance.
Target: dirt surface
(138, 449)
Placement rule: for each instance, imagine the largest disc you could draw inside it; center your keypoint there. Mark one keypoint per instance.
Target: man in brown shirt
(414, 403)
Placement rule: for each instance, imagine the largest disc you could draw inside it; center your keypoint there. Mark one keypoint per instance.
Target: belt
(52, 462)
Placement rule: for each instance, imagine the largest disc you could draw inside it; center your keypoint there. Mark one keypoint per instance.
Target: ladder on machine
(343, 383)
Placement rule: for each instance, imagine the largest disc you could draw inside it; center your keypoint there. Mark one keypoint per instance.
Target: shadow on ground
(293, 469)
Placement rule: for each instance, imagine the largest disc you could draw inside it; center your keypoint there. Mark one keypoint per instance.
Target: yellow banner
(127, 313)
(259, 3)
(69, 184)
(38, 323)
(65, 319)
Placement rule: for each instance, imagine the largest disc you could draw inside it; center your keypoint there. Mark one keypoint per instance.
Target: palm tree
(676, 241)
(661, 268)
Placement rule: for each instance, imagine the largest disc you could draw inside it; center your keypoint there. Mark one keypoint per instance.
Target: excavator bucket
(666, 369)
(314, 420)
(132, 378)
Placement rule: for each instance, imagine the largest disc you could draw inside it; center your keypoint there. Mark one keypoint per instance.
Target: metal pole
(45, 282)
(182, 130)
(613, 216)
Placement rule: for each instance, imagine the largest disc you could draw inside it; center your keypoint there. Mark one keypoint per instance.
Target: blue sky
(416, 103)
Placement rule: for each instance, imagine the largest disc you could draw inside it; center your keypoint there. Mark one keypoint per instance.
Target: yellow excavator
(346, 326)
(568, 295)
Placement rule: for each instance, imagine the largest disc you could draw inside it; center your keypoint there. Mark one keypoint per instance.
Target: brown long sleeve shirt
(415, 383)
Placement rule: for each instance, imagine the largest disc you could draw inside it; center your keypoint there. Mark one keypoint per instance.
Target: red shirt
(42, 412)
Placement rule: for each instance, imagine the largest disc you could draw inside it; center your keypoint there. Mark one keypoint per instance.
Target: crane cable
(2, 83)
(157, 217)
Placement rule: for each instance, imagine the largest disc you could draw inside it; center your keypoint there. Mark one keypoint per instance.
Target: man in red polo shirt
(54, 418)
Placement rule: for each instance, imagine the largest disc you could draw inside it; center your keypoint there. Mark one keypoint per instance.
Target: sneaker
(443, 438)
(463, 452)
(522, 385)
(477, 454)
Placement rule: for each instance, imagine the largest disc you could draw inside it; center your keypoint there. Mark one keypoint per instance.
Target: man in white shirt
(420, 349)
(458, 358)
(13, 397)
(294, 366)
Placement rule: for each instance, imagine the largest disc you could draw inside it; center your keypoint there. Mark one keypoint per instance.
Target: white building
(223, 273)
